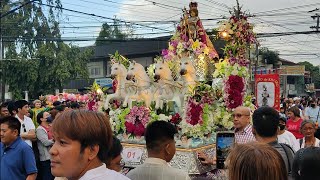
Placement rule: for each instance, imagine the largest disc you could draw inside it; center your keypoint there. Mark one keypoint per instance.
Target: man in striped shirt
(243, 128)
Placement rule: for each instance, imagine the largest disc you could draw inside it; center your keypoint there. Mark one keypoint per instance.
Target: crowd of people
(67, 141)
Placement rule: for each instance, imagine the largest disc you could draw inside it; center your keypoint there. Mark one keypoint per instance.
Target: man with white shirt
(27, 130)
(287, 137)
(313, 112)
(161, 148)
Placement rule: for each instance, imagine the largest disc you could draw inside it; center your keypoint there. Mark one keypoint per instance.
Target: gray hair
(307, 122)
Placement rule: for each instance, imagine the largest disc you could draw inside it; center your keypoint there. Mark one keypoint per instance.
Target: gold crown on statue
(193, 5)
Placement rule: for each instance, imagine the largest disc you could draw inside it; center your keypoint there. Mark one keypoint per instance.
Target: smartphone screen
(225, 141)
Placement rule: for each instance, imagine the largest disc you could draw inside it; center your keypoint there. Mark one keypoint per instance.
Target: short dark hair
(4, 105)
(12, 107)
(56, 103)
(307, 162)
(115, 150)
(20, 103)
(61, 107)
(12, 122)
(157, 133)
(266, 121)
(75, 105)
(39, 116)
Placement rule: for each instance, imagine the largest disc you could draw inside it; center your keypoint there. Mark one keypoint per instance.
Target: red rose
(139, 129)
(129, 127)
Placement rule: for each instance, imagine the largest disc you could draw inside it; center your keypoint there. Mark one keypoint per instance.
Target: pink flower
(165, 52)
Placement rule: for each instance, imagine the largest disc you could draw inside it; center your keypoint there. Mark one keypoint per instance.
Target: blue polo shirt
(17, 161)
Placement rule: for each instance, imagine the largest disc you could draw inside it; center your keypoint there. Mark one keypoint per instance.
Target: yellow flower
(206, 50)
(195, 45)
(171, 48)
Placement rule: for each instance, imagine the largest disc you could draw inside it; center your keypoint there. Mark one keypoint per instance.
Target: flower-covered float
(176, 89)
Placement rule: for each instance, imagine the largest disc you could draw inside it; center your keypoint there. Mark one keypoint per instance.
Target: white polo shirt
(28, 123)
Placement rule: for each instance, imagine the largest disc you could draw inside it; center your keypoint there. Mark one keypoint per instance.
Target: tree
(314, 72)
(269, 57)
(116, 30)
(40, 61)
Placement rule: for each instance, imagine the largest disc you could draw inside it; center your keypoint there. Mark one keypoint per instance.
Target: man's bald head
(241, 117)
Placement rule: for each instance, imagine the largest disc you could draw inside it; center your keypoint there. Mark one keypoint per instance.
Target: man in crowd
(265, 128)
(161, 148)
(243, 131)
(312, 112)
(12, 108)
(17, 158)
(4, 110)
(27, 131)
(243, 128)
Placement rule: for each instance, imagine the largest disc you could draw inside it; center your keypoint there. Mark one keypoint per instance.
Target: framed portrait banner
(267, 90)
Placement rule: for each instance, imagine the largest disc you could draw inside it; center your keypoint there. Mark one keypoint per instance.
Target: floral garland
(137, 120)
(198, 117)
(238, 33)
(234, 91)
(177, 47)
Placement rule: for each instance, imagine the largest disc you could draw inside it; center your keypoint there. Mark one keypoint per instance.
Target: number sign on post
(132, 155)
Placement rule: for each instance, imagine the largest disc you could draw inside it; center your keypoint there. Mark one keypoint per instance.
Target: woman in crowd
(308, 128)
(294, 122)
(306, 164)
(285, 136)
(114, 156)
(44, 142)
(80, 148)
(255, 161)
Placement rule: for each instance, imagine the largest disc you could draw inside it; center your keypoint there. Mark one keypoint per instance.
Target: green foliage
(314, 72)
(271, 57)
(117, 57)
(116, 30)
(41, 65)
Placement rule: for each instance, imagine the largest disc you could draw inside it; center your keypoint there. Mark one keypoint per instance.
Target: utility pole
(316, 16)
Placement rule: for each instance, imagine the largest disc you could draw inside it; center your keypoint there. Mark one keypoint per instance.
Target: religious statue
(265, 96)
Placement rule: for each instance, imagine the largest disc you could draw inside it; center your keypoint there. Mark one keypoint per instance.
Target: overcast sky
(271, 16)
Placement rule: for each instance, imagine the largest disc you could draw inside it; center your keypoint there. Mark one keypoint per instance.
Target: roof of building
(141, 47)
(287, 62)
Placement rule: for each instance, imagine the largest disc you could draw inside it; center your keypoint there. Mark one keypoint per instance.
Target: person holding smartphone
(242, 133)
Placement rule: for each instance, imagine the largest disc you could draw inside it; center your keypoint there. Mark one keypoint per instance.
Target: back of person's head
(75, 105)
(295, 110)
(265, 121)
(256, 161)
(306, 164)
(12, 122)
(12, 108)
(53, 113)
(88, 127)
(157, 134)
(20, 103)
(56, 103)
(115, 150)
(61, 107)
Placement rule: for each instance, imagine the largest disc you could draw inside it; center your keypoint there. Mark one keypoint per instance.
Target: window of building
(95, 72)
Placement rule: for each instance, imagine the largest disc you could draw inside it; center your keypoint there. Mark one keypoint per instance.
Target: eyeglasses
(24, 128)
(239, 115)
